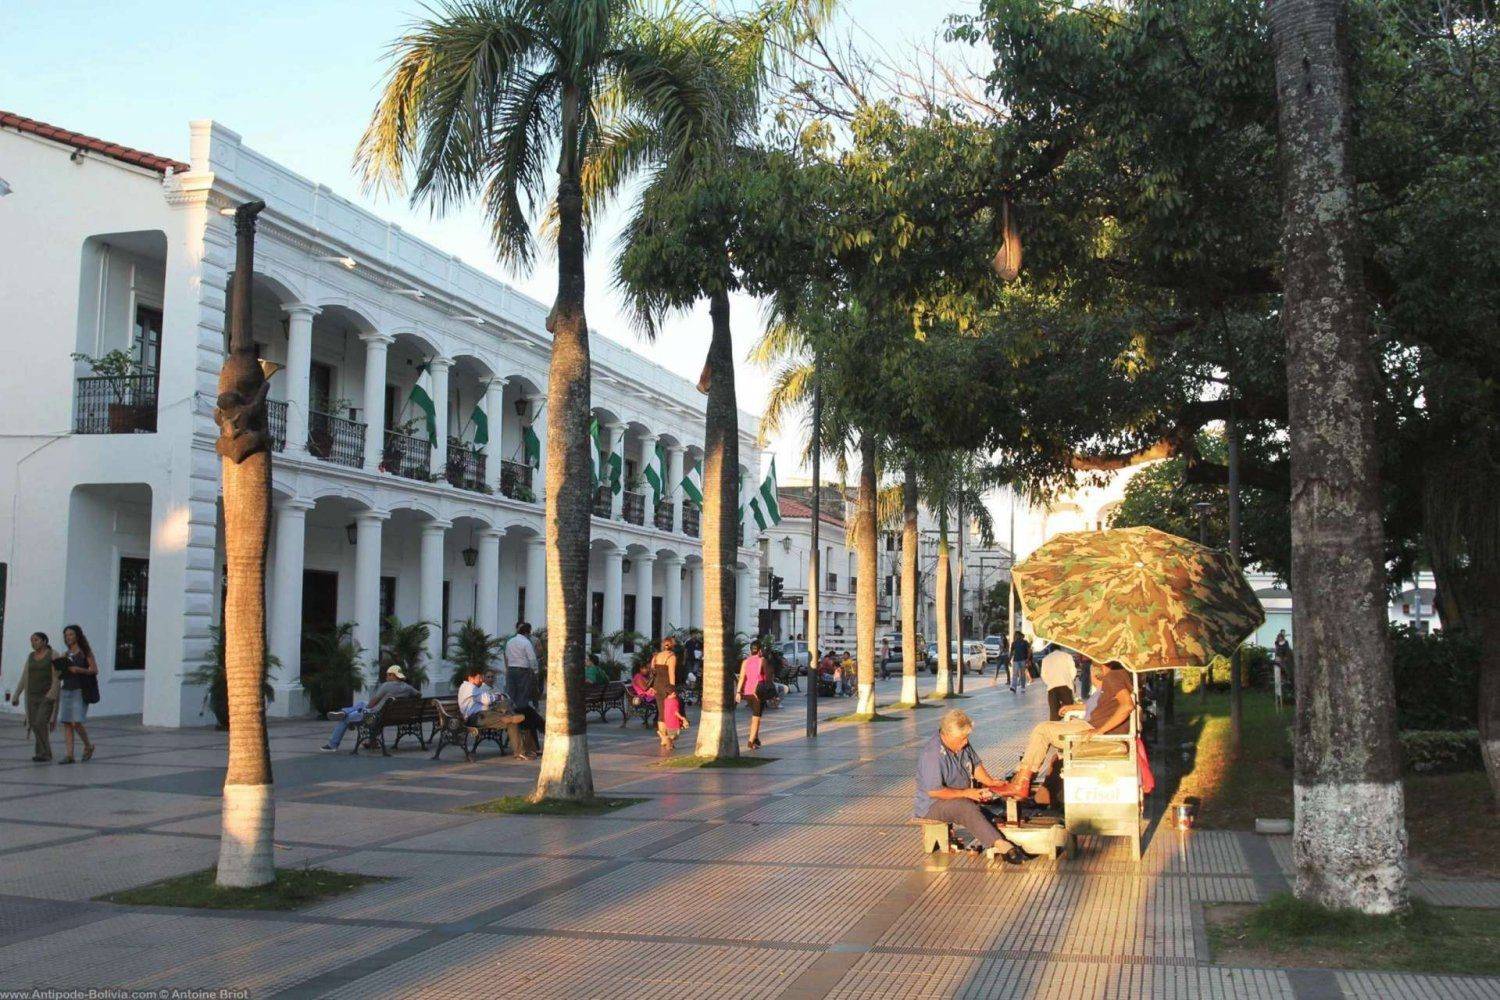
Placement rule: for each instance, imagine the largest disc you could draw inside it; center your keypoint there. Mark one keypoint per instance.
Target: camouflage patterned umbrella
(1151, 600)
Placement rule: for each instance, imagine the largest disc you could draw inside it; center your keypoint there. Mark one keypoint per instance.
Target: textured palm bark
(909, 543)
(944, 598)
(1349, 844)
(866, 557)
(717, 736)
(246, 853)
(565, 771)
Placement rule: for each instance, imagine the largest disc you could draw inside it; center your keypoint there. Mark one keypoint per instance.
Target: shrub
(405, 646)
(331, 670)
(1442, 751)
(473, 649)
(1437, 679)
(210, 673)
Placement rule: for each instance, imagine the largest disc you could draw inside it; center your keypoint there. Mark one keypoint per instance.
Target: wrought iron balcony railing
(691, 519)
(515, 481)
(276, 423)
(663, 516)
(633, 507)
(466, 467)
(335, 439)
(602, 502)
(407, 455)
(115, 404)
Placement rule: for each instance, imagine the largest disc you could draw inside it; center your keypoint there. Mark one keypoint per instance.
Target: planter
(122, 418)
(320, 443)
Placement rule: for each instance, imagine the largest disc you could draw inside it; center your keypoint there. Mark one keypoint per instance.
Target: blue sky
(297, 81)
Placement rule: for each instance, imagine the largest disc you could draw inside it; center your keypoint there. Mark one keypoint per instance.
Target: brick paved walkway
(797, 879)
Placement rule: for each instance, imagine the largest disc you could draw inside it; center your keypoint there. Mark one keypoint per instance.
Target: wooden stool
(935, 835)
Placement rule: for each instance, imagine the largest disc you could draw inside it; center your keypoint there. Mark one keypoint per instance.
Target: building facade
(113, 519)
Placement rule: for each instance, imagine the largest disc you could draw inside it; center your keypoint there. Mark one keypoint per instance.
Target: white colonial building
(111, 483)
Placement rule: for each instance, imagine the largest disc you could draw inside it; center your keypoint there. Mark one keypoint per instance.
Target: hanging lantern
(1007, 261)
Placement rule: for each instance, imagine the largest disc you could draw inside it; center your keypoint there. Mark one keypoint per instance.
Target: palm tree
(866, 555)
(246, 855)
(949, 480)
(405, 646)
(482, 94)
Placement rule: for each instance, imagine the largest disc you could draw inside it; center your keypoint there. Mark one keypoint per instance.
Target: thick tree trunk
(246, 851)
(866, 557)
(909, 552)
(565, 771)
(1487, 621)
(717, 736)
(1350, 839)
(944, 598)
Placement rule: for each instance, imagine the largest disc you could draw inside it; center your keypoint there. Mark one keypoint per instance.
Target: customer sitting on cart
(1109, 717)
(947, 769)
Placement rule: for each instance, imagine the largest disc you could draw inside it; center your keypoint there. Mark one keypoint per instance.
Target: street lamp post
(814, 560)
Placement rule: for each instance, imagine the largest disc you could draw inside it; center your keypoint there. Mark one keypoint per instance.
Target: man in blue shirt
(947, 770)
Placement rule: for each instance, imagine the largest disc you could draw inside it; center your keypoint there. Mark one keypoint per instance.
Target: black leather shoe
(1016, 856)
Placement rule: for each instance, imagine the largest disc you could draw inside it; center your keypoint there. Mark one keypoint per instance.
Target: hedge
(1442, 751)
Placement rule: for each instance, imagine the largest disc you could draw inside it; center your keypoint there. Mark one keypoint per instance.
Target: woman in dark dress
(669, 721)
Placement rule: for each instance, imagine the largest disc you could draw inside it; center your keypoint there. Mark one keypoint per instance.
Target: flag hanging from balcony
(768, 503)
(531, 446)
(656, 474)
(421, 398)
(692, 484)
(481, 426)
(599, 468)
(616, 472)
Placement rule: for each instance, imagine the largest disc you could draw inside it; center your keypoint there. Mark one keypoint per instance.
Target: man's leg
(967, 814)
(353, 716)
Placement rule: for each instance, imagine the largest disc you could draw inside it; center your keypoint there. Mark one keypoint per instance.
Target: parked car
(795, 654)
(893, 661)
(995, 647)
(973, 656)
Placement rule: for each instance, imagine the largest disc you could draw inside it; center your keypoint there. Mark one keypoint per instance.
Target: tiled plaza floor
(802, 878)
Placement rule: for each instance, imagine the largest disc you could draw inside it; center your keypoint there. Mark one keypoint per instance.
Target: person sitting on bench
(1109, 717)
(480, 706)
(947, 769)
(395, 686)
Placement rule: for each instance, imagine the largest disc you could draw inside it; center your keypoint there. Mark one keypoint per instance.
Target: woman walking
(755, 689)
(39, 684)
(670, 721)
(81, 674)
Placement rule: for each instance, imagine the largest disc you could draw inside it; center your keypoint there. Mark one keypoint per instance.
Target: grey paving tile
(1406, 986)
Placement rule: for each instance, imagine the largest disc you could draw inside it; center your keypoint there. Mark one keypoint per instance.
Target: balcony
(663, 516)
(690, 519)
(633, 507)
(406, 455)
(115, 404)
(276, 423)
(466, 467)
(602, 502)
(515, 481)
(335, 439)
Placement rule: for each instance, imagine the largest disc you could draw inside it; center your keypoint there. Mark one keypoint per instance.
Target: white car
(973, 659)
(795, 654)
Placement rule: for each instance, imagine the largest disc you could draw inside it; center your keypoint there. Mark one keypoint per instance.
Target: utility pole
(959, 604)
(1202, 508)
(1011, 577)
(814, 560)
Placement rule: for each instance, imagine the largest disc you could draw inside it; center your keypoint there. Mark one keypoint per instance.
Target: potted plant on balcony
(126, 415)
(320, 425)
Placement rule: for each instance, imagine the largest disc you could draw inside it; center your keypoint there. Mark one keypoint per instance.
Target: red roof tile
(792, 507)
(78, 140)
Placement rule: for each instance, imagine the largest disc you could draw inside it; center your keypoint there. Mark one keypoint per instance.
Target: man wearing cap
(394, 686)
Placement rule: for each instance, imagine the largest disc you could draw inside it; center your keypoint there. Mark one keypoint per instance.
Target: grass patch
(293, 888)
(1289, 932)
(1451, 825)
(522, 805)
(716, 761)
(863, 717)
(946, 697)
(907, 704)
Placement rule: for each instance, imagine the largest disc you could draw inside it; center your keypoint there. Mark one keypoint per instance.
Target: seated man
(479, 705)
(1108, 717)
(947, 770)
(395, 686)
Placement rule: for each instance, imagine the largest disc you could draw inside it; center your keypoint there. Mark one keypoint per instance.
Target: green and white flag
(616, 472)
(757, 513)
(531, 447)
(421, 398)
(599, 468)
(692, 484)
(656, 475)
(769, 507)
(481, 424)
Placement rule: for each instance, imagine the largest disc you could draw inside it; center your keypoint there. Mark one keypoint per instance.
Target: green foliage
(1443, 751)
(1436, 678)
(405, 646)
(472, 649)
(294, 888)
(331, 669)
(522, 805)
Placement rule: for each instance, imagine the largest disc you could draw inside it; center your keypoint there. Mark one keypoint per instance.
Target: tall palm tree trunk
(721, 459)
(246, 854)
(944, 598)
(565, 771)
(909, 544)
(1350, 841)
(866, 558)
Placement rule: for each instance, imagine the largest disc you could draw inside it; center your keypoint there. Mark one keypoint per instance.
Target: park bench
(605, 698)
(451, 730)
(641, 708)
(407, 716)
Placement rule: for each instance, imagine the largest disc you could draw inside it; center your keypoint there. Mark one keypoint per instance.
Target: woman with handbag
(753, 687)
(664, 684)
(40, 686)
(80, 689)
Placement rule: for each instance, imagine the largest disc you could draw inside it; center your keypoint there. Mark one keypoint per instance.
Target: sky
(297, 81)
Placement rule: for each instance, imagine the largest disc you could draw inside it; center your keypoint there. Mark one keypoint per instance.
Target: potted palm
(126, 414)
(331, 671)
(472, 649)
(210, 673)
(405, 646)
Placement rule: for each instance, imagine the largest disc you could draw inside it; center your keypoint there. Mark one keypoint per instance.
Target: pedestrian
(670, 722)
(753, 687)
(1281, 665)
(1058, 670)
(80, 689)
(521, 667)
(39, 683)
(1020, 660)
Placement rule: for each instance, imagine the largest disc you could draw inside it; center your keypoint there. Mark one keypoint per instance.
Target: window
(320, 386)
(596, 610)
(130, 615)
(628, 602)
(146, 338)
(521, 605)
(392, 407)
(446, 609)
(387, 597)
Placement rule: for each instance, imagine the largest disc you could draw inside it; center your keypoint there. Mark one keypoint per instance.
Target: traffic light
(776, 583)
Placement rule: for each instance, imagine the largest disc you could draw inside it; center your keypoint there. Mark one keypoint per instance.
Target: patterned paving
(799, 879)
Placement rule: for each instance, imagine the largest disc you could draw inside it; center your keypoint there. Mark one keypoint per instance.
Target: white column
(430, 592)
(536, 583)
(367, 584)
(487, 585)
(643, 566)
(439, 369)
(614, 598)
(298, 374)
(743, 581)
(538, 416)
(494, 412)
(285, 637)
(648, 459)
(376, 346)
(674, 477)
(695, 594)
(616, 431)
(671, 594)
